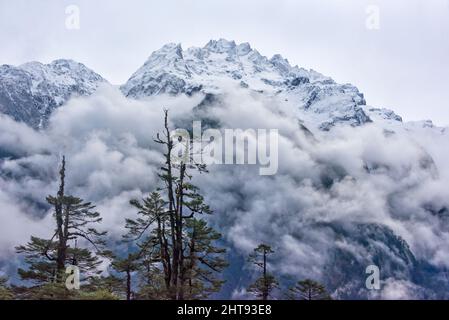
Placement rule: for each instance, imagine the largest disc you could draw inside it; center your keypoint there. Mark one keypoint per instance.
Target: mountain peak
(281, 64)
(221, 46)
(171, 70)
(31, 91)
(228, 46)
(68, 64)
(243, 48)
(170, 50)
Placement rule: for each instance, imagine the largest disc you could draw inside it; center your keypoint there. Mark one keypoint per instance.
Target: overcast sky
(403, 64)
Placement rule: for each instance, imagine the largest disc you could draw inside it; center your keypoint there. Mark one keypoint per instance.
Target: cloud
(325, 185)
(17, 225)
(400, 290)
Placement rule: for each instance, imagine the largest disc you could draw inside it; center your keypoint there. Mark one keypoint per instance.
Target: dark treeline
(172, 252)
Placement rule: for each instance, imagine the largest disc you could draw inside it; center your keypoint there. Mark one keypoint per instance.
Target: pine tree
(47, 258)
(111, 286)
(308, 290)
(39, 257)
(151, 278)
(127, 265)
(167, 229)
(151, 284)
(266, 283)
(203, 262)
(153, 246)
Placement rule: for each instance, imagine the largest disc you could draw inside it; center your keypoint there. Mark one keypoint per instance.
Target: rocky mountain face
(30, 92)
(172, 70)
(321, 104)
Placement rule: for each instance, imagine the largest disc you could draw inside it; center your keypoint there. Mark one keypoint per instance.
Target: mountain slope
(172, 70)
(30, 92)
(356, 186)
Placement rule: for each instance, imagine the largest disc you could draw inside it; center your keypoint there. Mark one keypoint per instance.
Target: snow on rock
(172, 70)
(30, 92)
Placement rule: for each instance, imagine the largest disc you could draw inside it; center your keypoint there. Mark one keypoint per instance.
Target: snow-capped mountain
(30, 92)
(172, 70)
(342, 200)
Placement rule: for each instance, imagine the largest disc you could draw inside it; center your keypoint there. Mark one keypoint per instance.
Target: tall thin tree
(266, 283)
(74, 219)
(308, 290)
(171, 214)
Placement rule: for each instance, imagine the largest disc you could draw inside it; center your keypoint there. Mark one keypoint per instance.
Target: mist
(327, 183)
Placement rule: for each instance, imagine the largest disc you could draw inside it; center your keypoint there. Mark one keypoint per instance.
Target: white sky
(403, 66)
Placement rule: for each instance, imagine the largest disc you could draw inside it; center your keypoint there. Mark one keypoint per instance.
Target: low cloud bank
(326, 188)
